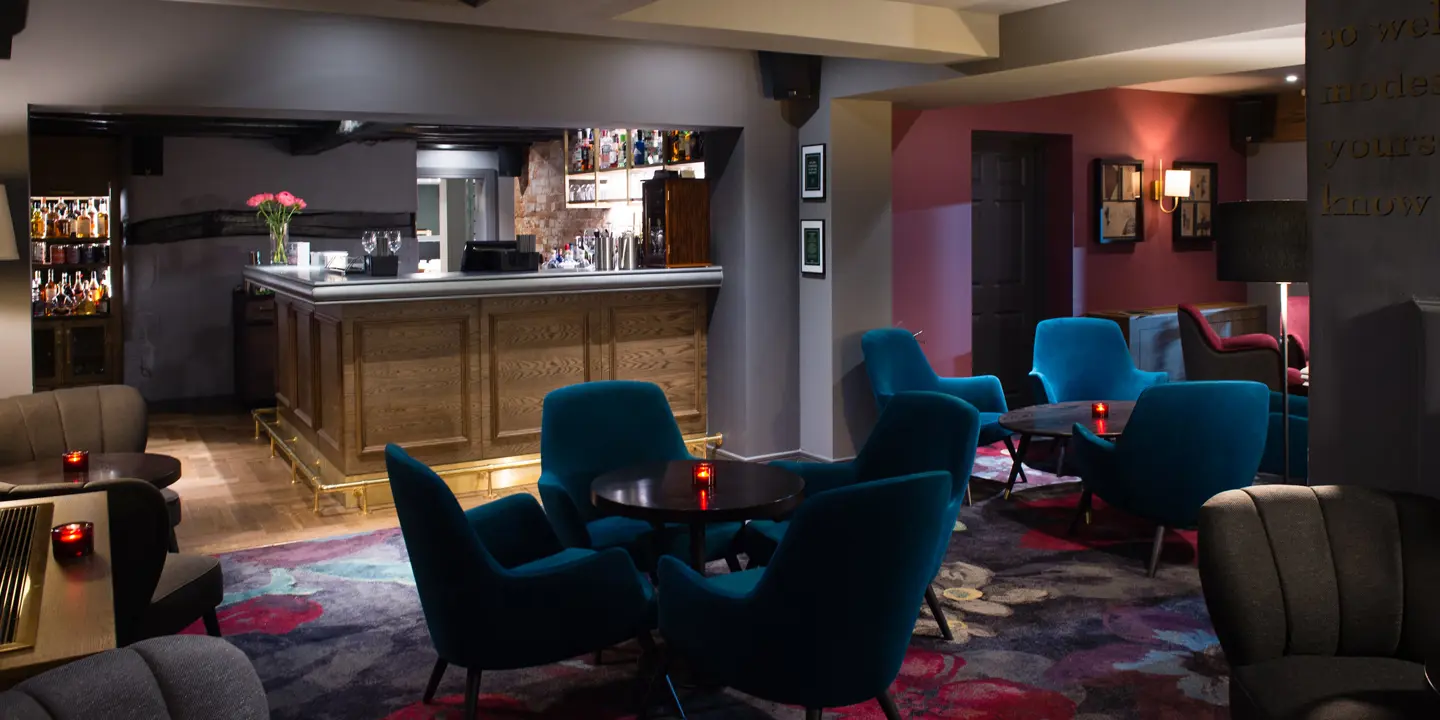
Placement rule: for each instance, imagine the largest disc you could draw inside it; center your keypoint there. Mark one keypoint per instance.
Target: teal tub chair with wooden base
(1184, 444)
(779, 633)
(499, 590)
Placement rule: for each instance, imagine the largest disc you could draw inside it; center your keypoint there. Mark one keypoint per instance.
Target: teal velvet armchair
(499, 590)
(895, 363)
(1085, 359)
(1184, 444)
(917, 432)
(589, 429)
(762, 631)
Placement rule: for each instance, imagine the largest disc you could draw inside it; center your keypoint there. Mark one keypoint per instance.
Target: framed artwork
(812, 248)
(1192, 219)
(812, 172)
(1119, 201)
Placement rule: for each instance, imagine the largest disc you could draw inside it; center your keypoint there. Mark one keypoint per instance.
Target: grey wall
(1275, 171)
(1371, 422)
(178, 335)
(142, 55)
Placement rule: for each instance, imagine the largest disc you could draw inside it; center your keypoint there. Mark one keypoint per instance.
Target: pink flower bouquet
(276, 209)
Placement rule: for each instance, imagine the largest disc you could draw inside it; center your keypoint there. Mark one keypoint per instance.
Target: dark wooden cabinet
(680, 209)
(255, 348)
(70, 352)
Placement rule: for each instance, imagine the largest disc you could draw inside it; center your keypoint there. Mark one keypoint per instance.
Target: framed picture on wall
(812, 172)
(1119, 206)
(812, 248)
(1192, 219)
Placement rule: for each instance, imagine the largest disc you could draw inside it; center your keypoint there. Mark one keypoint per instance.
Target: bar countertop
(319, 287)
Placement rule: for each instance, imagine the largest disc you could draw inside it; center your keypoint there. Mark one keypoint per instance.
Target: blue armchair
(760, 631)
(1273, 462)
(1184, 444)
(498, 589)
(896, 364)
(1085, 359)
(917, 432)
(590, 429)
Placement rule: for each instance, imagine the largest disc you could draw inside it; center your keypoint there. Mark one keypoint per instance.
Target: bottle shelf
(55, 318)
(72, 240)
(68, 266)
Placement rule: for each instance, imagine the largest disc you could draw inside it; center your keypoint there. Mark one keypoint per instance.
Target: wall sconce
(1175, 185)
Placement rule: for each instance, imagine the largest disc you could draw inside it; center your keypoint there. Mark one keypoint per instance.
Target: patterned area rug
(1047, 627)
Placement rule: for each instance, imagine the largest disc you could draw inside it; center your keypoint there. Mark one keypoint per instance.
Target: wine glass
(392, 241)
(368, 241)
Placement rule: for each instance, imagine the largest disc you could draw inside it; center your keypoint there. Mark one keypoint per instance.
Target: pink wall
(1299, 318)
(931, 199)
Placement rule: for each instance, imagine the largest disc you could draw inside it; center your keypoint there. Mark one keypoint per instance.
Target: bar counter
(454, 367)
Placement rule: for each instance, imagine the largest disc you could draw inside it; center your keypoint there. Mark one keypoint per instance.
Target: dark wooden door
(1006, 256)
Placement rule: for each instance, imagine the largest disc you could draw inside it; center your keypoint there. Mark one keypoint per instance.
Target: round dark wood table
(158, 470)
(1058, 421)
(666, 492)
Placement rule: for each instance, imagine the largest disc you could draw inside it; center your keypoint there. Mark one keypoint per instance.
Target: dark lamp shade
(1262, 241)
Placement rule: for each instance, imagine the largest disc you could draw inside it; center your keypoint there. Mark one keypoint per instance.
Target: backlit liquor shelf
(608, 167)
(74, 287)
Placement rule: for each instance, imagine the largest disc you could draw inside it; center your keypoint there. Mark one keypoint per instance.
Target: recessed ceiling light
(1292, 78)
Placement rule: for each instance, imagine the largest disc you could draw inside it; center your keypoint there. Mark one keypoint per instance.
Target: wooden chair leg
(887, 706)
(173, 545)
(1082, 510)
(939, 613)
(472, 695)
(599, 657)
(436, 675)
(733, 562)
(814, 714)
(1155, 549)
(212, 623)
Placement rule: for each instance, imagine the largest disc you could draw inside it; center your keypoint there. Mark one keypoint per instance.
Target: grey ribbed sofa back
(180, 677)
(104, 418)
(1328, 571)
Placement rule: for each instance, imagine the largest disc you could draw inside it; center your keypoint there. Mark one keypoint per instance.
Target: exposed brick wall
(540, 200)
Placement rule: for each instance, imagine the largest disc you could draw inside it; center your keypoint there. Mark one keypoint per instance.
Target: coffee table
(1058, 421)
(1432, 674)
(159, 470)
(665, 492)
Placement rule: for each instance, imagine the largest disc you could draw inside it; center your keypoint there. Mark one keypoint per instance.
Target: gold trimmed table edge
(307, 465)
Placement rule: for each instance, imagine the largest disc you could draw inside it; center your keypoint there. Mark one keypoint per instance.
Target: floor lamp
(1266, 241)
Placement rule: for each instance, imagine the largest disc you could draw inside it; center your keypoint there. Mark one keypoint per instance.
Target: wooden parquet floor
(235, 496)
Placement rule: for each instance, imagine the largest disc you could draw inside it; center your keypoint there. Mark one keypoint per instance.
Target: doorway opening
(1020, 250)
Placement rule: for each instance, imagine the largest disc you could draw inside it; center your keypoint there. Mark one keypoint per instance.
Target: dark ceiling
(303, 137)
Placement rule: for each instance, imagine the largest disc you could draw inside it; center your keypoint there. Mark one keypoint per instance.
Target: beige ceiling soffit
(1079, 29)
(921, 29)
(1219, 56)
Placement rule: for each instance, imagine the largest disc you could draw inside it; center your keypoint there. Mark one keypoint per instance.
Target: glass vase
(280, 240)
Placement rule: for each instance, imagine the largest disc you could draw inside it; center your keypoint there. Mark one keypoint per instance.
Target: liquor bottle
(37, 298)
(57, 254)
(64, 225)
(102, 220)
(84, 224)
(52, 220)
(51, 295)
(37, 219)
(85, 295)
(100, 293)
(639, 158)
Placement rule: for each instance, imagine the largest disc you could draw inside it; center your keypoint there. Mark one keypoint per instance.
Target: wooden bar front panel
(462, 380)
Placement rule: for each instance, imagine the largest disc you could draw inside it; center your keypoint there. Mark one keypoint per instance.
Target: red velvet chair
(1244, 357)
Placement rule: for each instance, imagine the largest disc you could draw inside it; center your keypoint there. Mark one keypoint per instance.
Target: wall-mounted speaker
(514, 160)
(1252, 119)
(12, 21)
(147, 155)
(786, 76)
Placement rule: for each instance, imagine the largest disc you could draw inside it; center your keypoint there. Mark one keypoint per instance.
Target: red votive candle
(76, 461)
(72, 540)
(1100, 410)
(704, 474)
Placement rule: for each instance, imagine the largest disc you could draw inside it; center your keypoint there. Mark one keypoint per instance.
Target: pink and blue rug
(1047, 626)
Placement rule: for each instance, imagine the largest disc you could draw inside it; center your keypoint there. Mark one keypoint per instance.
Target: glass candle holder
(704, 474)
(72, 540)
(76, 461)
(1100, 410)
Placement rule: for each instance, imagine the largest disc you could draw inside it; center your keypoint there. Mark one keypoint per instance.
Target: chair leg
(1017, 462)
(436, 676)
(599, 656)
(173, 544)
(472, 695)
(935, 609)
(814, 714)
(1060, 462)
(1082, 510)
(1155, 550)
(212, 623)
(887, 706)
(733, 562)
(969, 495)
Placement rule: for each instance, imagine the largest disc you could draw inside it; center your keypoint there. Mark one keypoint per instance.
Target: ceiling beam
(338, 134)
